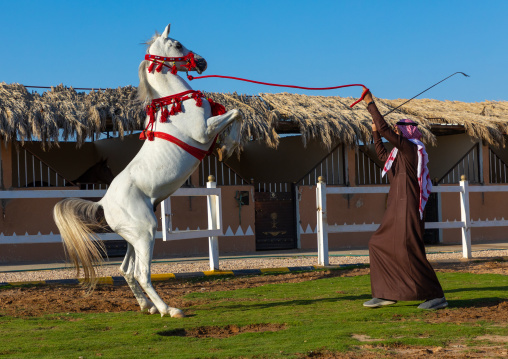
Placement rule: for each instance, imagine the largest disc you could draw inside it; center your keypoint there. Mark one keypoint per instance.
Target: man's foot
(378, 302)
(433, 304)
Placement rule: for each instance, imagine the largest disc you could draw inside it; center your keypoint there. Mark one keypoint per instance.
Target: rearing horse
(175, 143)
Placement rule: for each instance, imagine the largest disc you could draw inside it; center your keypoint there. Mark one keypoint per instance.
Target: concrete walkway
(456, 248)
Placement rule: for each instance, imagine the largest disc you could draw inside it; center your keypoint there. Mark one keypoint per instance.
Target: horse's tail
(77, 219)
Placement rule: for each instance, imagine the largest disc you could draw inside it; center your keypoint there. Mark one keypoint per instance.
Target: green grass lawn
(322, 314)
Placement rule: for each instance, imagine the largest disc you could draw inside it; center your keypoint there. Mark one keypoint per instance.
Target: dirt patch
(493, 266)
(222, 332)
(494, 338)
(491, 311)
(454, 351)
(29, 301)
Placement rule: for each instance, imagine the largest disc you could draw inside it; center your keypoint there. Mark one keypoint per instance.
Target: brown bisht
(399, 268)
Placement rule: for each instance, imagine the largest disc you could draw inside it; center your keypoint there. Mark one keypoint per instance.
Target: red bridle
(190, 62)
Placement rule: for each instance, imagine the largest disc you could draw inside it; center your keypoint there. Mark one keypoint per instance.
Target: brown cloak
(399, 268)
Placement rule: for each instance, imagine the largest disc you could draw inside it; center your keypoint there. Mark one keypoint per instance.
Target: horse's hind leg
(136, 222)
(127, 269)
(144, 250)
(140, 234)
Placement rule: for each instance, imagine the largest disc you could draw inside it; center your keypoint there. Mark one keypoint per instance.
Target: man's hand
(368, 97)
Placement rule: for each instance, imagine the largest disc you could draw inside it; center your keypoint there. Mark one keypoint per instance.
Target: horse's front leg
(217, 124)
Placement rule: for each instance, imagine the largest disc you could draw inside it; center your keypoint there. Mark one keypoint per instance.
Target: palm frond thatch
(63, 113)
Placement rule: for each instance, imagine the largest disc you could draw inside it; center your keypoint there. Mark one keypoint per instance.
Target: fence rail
(465, 223)
(214, 229)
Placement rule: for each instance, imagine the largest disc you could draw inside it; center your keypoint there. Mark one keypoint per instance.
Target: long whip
(437, 83)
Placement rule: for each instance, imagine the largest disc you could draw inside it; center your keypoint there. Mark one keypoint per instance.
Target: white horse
(176, 142)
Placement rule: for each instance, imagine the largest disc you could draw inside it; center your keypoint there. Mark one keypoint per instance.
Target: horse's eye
(178, 45)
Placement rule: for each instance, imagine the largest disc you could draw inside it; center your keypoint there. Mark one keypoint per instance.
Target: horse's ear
(165, 34)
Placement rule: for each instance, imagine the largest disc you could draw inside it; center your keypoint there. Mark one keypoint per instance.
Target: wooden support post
(322, 223)
(213, 223)
(484, 163)
(6, 166)
(465, 217)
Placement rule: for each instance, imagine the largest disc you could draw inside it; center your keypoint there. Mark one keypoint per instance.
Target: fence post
(167, 224)
(212, 209)
(322, 222)
(465, 217)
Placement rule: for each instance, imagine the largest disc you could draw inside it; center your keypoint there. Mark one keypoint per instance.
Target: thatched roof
(25, 115)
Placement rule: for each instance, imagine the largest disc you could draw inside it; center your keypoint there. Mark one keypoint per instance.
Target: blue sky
(396, 48)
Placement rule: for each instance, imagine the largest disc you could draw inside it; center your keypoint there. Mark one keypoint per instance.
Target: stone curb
(118, 280)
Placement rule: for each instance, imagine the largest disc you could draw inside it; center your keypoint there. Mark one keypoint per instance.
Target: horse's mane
(144, 92)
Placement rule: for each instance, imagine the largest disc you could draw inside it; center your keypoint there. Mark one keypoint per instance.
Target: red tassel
(159, 67)
(142, 135)
(151, 113)
(178, 107)
(174, 70)
(164, 114)
(199, 102)
(217, 108)
(150, 136)
(190, 61)
(191, 64)
(150, 68)
(172, 112)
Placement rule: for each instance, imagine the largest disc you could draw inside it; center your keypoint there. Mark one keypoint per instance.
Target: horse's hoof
(154, 310)
(176, 313)
(220, 153)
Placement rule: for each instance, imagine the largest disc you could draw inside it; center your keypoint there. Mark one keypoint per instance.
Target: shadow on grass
(476, 302)
(466, 303)
(458, 290)
(298, 302)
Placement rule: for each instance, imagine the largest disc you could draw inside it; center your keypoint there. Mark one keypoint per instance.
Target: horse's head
(164, 46)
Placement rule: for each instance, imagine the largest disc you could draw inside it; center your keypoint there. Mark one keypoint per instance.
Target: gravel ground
(176, 266)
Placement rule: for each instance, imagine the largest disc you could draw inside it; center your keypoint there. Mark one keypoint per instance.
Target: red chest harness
(172, 105)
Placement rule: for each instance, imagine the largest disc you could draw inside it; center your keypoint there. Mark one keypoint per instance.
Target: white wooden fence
(465, 223)
(214, 210)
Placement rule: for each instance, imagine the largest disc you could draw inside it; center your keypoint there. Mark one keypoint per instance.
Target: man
(399, 268)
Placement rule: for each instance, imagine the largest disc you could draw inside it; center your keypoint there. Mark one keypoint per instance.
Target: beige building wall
(33, 216)
(341, 209)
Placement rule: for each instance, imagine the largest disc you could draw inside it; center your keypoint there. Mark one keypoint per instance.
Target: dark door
(275, 220)
(431, 236)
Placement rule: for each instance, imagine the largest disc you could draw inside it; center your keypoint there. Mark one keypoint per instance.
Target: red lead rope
(160, 61)
(365, 89)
